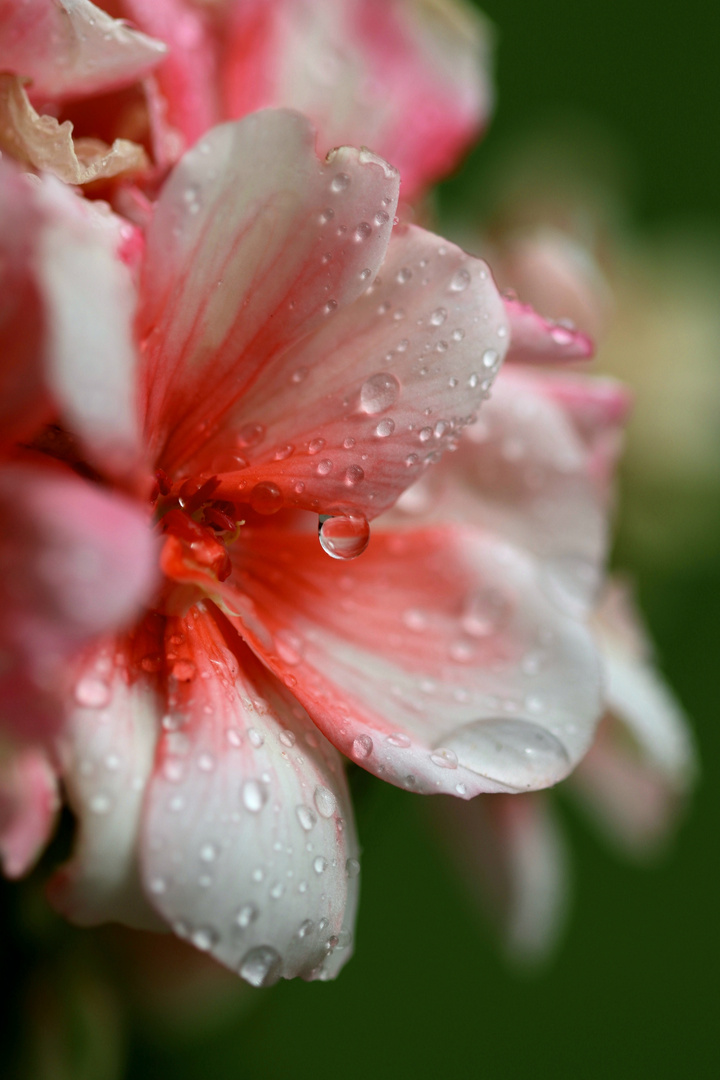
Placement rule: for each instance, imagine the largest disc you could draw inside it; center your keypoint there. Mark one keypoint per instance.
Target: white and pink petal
(249, 848)
(537, 340)
(353, 414)
(71, 48)
(254, 244)
(435, 660)
(106, 751)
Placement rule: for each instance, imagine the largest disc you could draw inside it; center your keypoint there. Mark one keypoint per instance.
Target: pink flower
(296, 357)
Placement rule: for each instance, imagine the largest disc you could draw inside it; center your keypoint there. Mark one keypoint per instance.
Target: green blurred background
(633, 988)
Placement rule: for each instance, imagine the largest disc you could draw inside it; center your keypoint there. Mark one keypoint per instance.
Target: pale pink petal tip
(28, 805)
(71, 48)
(249, 848)
(537, 340)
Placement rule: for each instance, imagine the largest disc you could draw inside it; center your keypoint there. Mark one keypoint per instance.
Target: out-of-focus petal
(24, 402)
(435, 660)
(599, 409)
(28, 806)
(89, 296)
(643, 762)
(106, 751)
(47, 145)
(74, 562)
(408, 79)
(354, 413)
(70, 48)
(249, 845)
(537, 340)
(188, 78)
(254, 243)
(523, 471)
(511, 854)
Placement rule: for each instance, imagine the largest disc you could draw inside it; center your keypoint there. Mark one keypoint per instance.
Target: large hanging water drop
(345, 536)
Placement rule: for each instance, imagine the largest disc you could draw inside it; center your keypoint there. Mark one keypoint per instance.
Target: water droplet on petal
(385, 428)
(444, 758)
(353, 475)
(378, 393)
(339, 183)
(325, 802)
(305, 817)
(363, 231)
(345, 536)
(261, 966)
(247, 914)
(250, 435)
(352, 868)
(254, 795)
(266, 498)
(460, 280)
(92, 692)
(320, 864)
(438, 316)
(362, 746)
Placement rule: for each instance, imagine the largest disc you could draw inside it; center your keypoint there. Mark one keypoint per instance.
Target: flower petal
(409, 80)
(510, 852)
(353, 414)
(643, 762)
(187, 78)
(74, 562)
(24, 402)
(253, 245)
(249, 843)
(106, 751)
(89, 296)
(28, 808)
(537, 340)
(47, 145)
(524, 471)
(70, 48)
(435, 660)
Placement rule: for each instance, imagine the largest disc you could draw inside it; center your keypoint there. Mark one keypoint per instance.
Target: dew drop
(403, 275)
(306, 927)
(362, 231)
(444, 759)
(320, 864)
(378, 393)
(250, 435)
(255, 737)
(382, 217)
(438, 316)
(353, 475)
(385, 428)
(352, 868)
(204, 937)
(266, 498)
(362, 746)
(339, 183)
(345, 536)
(92, 692)
(287, 737)
(262, 965)
(325, 802)
(246, 915)
(460, 280)
(490, 358)
(324, 467)
(306, 817)
(254, 795)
